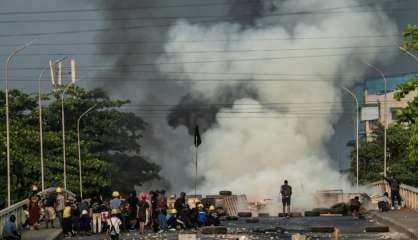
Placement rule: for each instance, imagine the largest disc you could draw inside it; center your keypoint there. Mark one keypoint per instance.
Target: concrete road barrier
(245, 214)
(322, 229)
(377, 229)
(295, 214)
(214, 230)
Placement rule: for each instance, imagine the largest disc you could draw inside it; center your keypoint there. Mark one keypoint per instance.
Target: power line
(132, 8)
(95, 30)
(204, 51)
(162, 80)
(203, 40)
(218, 17)
(96, 67)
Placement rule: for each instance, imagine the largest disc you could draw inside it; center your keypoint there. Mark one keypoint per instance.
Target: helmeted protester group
(98, 214)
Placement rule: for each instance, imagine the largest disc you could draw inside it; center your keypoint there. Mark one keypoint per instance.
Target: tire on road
(377, 229)
(324, 229)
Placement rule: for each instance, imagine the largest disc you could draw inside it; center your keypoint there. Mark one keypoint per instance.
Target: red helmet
(143, 195)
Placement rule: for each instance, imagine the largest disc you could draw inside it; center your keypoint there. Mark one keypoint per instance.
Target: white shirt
(115, 222)
(60, 202)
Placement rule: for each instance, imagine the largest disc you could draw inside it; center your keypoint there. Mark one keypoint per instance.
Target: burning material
(259, 205)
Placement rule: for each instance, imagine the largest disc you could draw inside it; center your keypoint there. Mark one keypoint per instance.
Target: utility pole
(50, 64)
(357, 133)
(385, 119)
(15, 51)
(79, 148)
(62, 94)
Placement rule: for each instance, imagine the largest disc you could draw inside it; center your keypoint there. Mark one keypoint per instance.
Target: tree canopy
(110, 149)
(402, 136)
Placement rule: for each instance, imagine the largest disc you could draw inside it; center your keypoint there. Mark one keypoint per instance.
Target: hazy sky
(18, 28)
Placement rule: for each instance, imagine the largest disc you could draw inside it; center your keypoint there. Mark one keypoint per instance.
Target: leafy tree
(109, 136)
(402, 137)
(371, 155)
(409, 115)
(410, 35)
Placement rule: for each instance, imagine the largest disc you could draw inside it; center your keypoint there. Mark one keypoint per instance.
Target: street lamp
(15, 51)
(78, 145)
(385, 118)
(62, 94)
(409, 53)
(357, 129)
(63, 134)
(40, 120)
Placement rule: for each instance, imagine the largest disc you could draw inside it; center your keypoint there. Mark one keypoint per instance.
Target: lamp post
(14, 52)
(357, 134)
(73, 80)
(40, 120)
(409, 53)
(385, 118)
(79, 148)
(63, 133)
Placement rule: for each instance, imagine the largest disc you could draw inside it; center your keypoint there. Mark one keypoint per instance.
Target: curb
(409, 232)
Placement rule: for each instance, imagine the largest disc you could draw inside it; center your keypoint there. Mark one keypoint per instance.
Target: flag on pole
(197, 140)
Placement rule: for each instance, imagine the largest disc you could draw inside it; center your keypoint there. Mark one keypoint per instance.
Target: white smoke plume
(253, 153)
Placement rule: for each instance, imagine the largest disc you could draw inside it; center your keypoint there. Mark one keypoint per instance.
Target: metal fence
(17, 209)
(409, 194)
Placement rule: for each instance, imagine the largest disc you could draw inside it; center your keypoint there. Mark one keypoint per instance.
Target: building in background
(373, 109)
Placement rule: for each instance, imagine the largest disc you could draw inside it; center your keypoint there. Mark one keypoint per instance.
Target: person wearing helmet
(67, 223)
(115, 202)
(34, 208)
(142, 208)
(201, 215)
(171, 218)
(114, 225)
(213, 217)
(60, 204)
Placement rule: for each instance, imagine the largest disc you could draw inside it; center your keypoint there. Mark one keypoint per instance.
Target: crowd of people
(154, 210)
(97, 214)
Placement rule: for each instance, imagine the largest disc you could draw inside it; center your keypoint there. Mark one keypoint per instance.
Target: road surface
(278, 228)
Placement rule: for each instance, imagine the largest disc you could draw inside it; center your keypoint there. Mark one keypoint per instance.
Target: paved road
(404, 220)
(280, 228)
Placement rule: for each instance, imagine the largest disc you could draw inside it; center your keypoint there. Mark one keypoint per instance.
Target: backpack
(286, 190)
